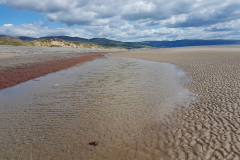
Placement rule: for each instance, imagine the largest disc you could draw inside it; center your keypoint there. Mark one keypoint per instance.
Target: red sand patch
(16, 75)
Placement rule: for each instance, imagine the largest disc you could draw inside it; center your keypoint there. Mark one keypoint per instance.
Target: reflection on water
(112, 100)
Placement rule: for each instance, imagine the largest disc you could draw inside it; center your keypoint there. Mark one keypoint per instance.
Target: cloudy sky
(125, 20)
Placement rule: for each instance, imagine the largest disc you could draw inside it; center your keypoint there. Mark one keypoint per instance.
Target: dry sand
(209, 128)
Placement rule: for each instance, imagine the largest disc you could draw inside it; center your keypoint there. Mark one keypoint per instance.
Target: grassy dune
(13, 42)
(51, 43)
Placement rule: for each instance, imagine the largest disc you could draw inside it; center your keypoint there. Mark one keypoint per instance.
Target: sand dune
(209, 128)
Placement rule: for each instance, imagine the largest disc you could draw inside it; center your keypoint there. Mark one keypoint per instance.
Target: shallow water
(110, 100)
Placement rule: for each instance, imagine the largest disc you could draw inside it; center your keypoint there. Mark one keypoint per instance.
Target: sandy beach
(186, 107)
(207, 129)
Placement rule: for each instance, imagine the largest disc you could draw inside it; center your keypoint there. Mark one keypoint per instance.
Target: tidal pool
(115, 101)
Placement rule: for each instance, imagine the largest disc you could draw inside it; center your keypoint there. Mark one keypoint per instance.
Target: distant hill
(66, 38)
(101, 41)
(107, 43)
(185, 43)
(22, 38)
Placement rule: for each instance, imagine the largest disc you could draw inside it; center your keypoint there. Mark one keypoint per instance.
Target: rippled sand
(119, 102)
(209, 128)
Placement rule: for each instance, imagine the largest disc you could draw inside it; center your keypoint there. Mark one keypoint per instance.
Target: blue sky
(126, 20)
(17, 17)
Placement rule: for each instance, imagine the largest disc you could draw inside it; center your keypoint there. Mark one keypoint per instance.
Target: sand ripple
(208, 129)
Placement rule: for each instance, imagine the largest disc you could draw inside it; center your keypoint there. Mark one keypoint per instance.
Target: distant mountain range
(129, 45)
(193, 42)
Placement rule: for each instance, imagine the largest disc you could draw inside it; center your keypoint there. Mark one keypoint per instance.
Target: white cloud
(7, 25)
(127, 26)
(233, 25)
(81, 12)
(127, 32)
(103, 18)
(36, 30)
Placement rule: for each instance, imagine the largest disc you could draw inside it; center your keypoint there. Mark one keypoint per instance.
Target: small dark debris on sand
(94, 143)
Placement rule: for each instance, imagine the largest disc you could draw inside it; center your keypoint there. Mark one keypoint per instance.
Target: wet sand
(116, 101)
(209, 128)
(11, 76)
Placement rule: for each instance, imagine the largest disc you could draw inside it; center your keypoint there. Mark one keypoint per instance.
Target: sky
(125, 20)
